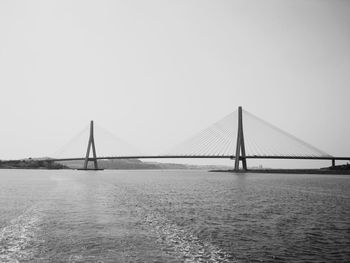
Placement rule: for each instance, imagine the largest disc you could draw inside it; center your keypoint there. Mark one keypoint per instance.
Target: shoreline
(289, 171)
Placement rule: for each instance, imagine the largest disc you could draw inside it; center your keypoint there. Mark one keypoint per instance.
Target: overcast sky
(155, 72)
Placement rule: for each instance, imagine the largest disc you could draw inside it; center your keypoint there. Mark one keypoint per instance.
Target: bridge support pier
(240, 148)
(91, 144)
(333, 163)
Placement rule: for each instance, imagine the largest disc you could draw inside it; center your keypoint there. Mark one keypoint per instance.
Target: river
(173, 216)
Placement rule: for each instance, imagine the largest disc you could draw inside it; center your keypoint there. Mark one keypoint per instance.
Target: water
(173, 216)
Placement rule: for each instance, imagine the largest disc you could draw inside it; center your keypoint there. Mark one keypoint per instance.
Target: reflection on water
(172, 216)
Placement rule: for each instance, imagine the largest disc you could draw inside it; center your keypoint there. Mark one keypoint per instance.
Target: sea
(173, 216)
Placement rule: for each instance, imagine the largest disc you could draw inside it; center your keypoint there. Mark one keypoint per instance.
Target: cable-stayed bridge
(238, 136)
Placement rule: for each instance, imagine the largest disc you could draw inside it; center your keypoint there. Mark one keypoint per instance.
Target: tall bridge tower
(91, 144)
(240, 148)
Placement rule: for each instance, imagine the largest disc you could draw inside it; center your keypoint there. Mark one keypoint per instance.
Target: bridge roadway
(333, 158)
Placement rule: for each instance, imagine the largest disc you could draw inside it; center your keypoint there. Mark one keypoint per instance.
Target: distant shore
(339, 169)
(127, 164)
(31, 164)
(137, 165)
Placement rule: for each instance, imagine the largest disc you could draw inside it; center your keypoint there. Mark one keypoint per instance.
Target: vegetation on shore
(31, 164)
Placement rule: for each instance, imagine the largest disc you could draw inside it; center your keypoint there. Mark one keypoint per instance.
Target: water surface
(173, 216)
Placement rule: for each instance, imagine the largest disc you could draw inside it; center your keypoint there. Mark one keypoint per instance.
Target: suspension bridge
(239, 136)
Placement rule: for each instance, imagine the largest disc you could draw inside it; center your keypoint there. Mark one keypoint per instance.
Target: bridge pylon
(91, 144)
(240, 148)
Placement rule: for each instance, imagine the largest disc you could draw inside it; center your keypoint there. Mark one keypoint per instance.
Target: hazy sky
(156, 72)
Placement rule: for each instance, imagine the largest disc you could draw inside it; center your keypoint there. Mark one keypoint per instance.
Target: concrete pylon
(91, 143)
(240, 149)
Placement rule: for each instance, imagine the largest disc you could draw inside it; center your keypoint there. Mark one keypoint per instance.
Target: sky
(156, 72)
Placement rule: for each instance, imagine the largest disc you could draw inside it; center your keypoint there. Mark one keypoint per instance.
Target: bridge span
(232, 157)
(239, 136)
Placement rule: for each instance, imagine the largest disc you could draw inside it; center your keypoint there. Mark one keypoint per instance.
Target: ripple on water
(174, 239)
(19, 240)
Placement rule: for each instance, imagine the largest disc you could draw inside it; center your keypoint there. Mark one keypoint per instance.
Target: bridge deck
(204, 157)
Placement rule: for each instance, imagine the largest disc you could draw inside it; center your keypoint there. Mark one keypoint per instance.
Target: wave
(183, 242)
(19, 239)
